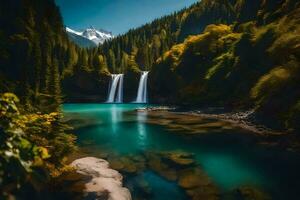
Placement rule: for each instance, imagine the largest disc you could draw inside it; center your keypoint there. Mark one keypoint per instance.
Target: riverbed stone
(204, 193)
(197, 184)
(116, 164)
(191, 178)
(250, 193)
(127, 164)
(78, 122)
(179, 158)
(104, 182)
(187, 123)
(155, 163)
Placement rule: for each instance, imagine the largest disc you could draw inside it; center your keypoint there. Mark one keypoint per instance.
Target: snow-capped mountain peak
(89, 37)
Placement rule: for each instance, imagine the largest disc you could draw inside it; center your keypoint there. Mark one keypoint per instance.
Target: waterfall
(120, 90)
(142, 91)
(116, 83)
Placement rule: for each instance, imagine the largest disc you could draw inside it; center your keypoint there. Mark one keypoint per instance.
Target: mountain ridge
(90, 37)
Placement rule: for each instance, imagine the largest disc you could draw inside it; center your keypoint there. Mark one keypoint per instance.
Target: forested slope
(34, 51)
(250, 63)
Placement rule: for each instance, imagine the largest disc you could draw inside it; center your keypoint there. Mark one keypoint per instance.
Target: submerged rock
(193, 177)
(127, 164)
(197, 184)
(249, 193)
(179, 159)
(105, 183)
(156, 164)
(78, 122)
(187, 123)
(181, 167)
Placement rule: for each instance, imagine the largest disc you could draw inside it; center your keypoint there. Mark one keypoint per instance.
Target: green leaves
(28, 142)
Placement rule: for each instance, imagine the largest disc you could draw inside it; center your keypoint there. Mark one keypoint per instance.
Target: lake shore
(244, 120)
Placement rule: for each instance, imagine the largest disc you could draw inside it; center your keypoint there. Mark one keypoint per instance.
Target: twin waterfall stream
(115, 94)
(116, 83)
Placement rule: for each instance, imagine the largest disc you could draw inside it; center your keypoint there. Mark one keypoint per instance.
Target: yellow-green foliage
(255, 63)
(217, 30)
(287, 42)
(247, 27)
(29, 140)
(208, 41)
(285, 51)
(220, 62)
(259, 32)
(174, 55)
(270, 82)
(18, 155)
(228, 40)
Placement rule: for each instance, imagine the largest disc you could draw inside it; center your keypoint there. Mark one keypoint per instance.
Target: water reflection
(141, 128)
(116, 118)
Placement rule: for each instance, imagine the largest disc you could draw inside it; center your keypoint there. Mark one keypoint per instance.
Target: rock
(191, 178)
(179, 159)
(197, 184)
(127, 164)
(144, 186)
(203, 193)
(116, 164)
(137, 158)
(78, 122)
(249, 193)
(156, 108)
(156, 164)
(104, 182)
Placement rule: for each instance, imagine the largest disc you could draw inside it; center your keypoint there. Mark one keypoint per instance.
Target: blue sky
(117, 16)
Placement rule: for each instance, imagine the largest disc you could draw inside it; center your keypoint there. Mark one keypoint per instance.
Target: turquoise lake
(231, 159)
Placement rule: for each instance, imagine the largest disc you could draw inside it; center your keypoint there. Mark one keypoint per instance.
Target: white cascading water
(142, 90)
(116, 83)
(120, 90)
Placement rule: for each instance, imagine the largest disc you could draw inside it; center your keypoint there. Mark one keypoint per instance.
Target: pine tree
(124, 62)
(55, 87)
(37, 63)
(111, 61)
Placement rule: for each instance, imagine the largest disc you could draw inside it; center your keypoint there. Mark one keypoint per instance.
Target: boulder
(105, 183)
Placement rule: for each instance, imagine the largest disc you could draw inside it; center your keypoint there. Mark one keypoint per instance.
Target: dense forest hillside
(34, 48)
(252, 63)
(34, 51)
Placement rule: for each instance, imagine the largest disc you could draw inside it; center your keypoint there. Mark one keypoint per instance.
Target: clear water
(231, 160)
